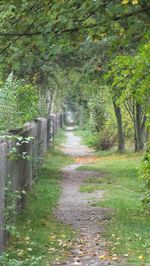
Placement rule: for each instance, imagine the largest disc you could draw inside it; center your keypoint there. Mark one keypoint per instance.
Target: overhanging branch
(29, 34)
(132, 13)
(15, 34)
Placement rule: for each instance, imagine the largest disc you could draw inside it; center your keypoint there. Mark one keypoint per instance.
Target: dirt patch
(75, 208)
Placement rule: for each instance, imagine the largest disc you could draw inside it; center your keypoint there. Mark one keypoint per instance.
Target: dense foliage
(18, 101)
(91, 57)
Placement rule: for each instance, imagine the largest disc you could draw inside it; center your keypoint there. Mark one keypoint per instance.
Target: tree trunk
(147, 134)
(140, 125)
(121, 142)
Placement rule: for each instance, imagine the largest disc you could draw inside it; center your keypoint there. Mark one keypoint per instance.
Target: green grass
(129, 229)
(89, 188)
(60, 137)
(40, 234)
(88, 138)
(91, 184)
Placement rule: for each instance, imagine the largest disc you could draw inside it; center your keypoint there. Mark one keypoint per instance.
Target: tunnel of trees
(91, 57)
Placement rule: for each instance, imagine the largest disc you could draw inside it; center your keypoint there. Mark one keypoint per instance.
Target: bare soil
(75, 208)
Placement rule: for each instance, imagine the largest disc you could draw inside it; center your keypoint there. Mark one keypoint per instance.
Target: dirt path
(75, 209)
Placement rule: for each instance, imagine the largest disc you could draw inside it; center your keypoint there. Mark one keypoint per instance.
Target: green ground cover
(129, 229)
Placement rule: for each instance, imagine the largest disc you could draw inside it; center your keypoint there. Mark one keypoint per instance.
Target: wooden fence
(21, 171)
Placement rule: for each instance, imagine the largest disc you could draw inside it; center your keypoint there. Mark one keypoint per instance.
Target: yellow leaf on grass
(51, 237)
(125, 2)
(20, 253)
(141, 257)
(27, 238)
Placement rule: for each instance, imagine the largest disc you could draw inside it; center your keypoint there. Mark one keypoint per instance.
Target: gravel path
(75, 209)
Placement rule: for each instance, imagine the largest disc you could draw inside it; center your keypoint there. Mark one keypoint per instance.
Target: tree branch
(13, 41)
(132, 13)
(15, 34)
(129, 111)
(29, 34)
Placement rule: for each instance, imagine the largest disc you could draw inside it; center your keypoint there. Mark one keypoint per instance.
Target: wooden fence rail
(20, 171)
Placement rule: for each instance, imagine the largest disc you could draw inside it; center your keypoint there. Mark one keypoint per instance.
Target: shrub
(105, 140)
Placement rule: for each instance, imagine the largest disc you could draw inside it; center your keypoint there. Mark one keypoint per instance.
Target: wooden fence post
(3, 155)
(42, 134)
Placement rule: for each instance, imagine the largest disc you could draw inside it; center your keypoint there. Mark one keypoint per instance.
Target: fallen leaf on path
(114, 258)
(51, 250)
(77, 259)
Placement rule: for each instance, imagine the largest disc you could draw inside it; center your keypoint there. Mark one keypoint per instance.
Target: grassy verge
(60, 138)
(88, 138)
(90, 185)
(128, 232)
(42, 239)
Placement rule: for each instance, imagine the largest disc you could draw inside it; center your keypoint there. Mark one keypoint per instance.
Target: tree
(132, 92)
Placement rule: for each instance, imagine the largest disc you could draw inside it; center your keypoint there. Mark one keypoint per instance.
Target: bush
(105, 140)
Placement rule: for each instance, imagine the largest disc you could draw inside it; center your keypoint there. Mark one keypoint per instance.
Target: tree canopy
(91, 54)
